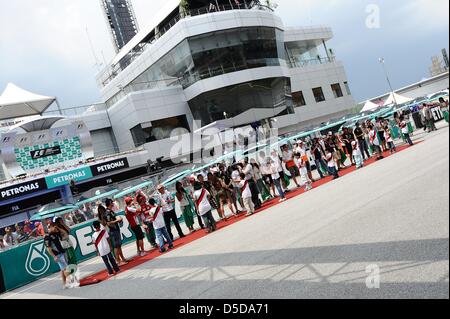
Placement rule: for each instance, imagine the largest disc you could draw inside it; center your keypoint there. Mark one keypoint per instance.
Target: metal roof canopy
(16, 102)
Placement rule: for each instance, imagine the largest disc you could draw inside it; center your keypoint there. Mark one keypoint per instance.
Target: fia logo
(37, 262)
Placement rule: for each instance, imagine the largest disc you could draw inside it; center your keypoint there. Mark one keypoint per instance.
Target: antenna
(97, 63)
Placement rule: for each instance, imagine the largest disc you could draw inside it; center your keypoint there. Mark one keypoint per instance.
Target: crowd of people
(241, 186)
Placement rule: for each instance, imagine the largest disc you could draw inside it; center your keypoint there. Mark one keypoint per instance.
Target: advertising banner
(20, 190)
(62, 179)
(108, 167)
(30, 261)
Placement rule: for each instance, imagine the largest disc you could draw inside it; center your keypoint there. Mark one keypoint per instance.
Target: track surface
(393, 215)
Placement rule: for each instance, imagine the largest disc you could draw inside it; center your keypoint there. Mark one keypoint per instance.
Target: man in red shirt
(132, 213)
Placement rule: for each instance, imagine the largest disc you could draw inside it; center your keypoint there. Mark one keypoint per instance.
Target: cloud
(45, 48)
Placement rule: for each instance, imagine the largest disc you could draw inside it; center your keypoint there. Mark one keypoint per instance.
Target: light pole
(381, 60)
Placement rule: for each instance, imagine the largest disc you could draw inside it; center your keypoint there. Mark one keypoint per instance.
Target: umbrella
(53, 210)
(128, 191)
(175, 178)
(96, 194)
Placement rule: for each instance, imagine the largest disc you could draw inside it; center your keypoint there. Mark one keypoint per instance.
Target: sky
(45, 47)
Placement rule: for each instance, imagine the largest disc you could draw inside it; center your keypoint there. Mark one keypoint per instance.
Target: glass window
(318, 94)
(298, 98)
(336, 88)
(347, 88)
(212, 54)
(159, 130)
(244, 103)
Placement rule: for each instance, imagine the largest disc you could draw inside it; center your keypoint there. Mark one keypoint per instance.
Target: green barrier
(30, 261)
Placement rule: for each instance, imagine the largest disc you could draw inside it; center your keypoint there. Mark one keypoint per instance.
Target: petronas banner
(30, 261)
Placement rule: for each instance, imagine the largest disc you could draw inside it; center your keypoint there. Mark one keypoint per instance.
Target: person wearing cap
(132, 214)
(167, 202)
(113, 224)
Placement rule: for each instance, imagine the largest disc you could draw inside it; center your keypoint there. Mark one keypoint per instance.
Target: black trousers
(255, 193)
(110, 263)
(172, 216)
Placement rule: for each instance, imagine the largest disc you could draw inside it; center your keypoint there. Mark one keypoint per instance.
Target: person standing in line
(248, 172)
(276, 178)
(405, 130)
(103, 247)
(379, 128)
(168, 206)
(389, 140)
(304, 177)
(52, 242)
(133, 213)
(246, 195)
(347, 139)
(318, 158)
(113, 223)
(357, 155)
(185, 205)
(70, 255)
(288, 160)
(359, 135)
(141, 200)
(266, 172)
(190, 191)
(375, 142)
(275, 157)
(332, 169)
(204, 207)
(258, 178)
(159, 224)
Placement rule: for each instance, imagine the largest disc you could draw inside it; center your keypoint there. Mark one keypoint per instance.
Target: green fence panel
(30, 261)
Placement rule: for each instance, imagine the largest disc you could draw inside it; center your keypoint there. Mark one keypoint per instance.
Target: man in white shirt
(159, 225)
(167, 201)
(201, 199)
(103, 247)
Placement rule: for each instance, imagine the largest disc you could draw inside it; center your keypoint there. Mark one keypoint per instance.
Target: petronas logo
(37, 262)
